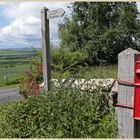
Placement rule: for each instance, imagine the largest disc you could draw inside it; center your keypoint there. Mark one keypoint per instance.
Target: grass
(90, 73)
(9, 86)
(13, 74)
(12, 68)
(99, 72)
(12, 62)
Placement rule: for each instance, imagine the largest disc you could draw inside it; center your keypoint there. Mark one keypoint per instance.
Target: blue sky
(20, 23)
(3, 20)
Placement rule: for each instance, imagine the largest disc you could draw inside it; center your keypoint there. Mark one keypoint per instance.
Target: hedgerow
(62, 113)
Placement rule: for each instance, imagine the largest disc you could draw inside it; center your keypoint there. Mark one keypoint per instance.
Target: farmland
(13, 65)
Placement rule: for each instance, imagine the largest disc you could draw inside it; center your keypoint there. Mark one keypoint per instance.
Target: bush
(63, 113)
(66, 62)
(30, 84)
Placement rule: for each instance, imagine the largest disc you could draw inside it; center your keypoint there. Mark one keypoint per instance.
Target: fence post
(45, 47)
(127, 126)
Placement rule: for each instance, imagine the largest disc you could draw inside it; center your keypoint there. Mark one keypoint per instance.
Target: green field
(13, 74)
(12, 68)
(13, 52)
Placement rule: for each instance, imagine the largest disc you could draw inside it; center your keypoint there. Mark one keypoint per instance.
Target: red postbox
(136, 84)
(136, 109)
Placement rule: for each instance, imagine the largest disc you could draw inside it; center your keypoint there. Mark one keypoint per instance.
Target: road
(9, 95)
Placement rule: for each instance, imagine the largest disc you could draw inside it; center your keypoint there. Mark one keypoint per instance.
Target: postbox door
(136, 111)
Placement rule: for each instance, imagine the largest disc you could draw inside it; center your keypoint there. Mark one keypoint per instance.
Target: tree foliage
(101, 29)
(66, 62)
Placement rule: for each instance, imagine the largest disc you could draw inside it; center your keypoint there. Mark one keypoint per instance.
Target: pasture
(13, 65)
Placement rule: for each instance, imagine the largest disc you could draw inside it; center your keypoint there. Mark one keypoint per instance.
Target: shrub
(63, 113)
(36, 67)
(30, 84)
(66, 62)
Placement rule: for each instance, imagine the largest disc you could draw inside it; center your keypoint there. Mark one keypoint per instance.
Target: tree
(101, 29)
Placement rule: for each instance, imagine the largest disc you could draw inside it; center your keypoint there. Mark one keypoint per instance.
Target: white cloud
(138, 6)
(25, 26)
(17, 31)
(30, 8)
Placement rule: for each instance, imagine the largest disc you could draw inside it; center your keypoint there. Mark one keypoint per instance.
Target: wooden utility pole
(45, 48)
(127, 126)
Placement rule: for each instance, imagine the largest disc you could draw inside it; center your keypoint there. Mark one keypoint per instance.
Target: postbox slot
(138, 71)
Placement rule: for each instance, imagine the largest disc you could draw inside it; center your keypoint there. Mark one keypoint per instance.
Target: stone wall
(106, 85)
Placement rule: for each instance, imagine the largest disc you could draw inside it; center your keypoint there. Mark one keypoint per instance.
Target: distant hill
(20, 49)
